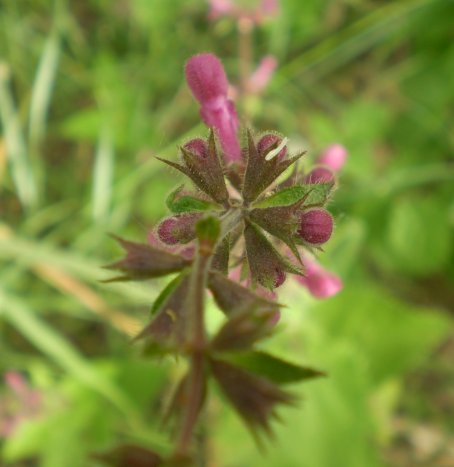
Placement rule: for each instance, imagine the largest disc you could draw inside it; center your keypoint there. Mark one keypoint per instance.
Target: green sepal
(273, 368)
(206, 172)
(312, 194)
(178, 203)
(260, 173)
(280, 221)
(263, 259)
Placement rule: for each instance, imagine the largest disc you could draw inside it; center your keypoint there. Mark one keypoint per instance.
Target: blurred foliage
(91, 91)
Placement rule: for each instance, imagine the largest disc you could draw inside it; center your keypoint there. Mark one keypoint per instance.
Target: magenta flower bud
(206, 77)
(208, 82)
(316, 226)
(197, 146)
(262, 75)
(319, 175)
(320, 282)
(178, 229)
(266, 142)
(333, 157)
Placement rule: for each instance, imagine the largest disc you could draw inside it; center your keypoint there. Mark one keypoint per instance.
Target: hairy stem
(196, 348)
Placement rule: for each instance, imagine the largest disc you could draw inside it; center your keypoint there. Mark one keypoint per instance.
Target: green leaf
(168, 289)
(316, 193)
(260, 173)
(271, 367)
(186, 203)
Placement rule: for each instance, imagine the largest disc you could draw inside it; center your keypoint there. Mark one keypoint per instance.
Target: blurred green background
(91, 90)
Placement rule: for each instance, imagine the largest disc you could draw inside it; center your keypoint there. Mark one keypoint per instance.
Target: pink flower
(262, 75)
(320, 282)
(220, 8)
(333, 157)
(208, 82)
(263, 9)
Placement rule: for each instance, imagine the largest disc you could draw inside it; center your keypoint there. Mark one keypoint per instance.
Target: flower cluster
(304, 226)
(247, 220)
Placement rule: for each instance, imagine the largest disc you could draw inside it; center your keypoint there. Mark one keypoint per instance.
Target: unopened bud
(178, 229)
(269, 142)
(319, 175)
(316, 226)
(197, 146)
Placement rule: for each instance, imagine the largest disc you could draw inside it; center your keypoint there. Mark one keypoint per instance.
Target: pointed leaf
(280, 221)
(265, 262)
(179, 202)
(143, 261)
(260, 173)
(273, 368)
(253, 397)
(313, 194)
(244, 329)
(232, 297)
(207, 172)
(168, 325)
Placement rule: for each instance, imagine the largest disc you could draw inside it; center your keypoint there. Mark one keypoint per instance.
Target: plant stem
(196, 348)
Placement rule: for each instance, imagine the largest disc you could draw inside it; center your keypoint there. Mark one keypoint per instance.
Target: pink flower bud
(262, 75)
(208, 82)
(319, 282)
(319, 175)
(266, 142)
(178, 229)
(333, 157)
(197, 146)
(206, 77)
(316, 226)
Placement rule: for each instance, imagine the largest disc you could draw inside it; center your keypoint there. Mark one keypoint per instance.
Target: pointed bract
(254, 398)
(232, 297)
(260, 173)
(265, 263)
(143, 261)
(168, 325)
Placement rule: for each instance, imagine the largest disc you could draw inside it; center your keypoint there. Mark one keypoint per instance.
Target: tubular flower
(320, 282)
(333, 157)
(209, 85)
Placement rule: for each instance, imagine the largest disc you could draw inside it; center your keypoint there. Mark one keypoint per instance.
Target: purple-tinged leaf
(254, 398)
(143, 261)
